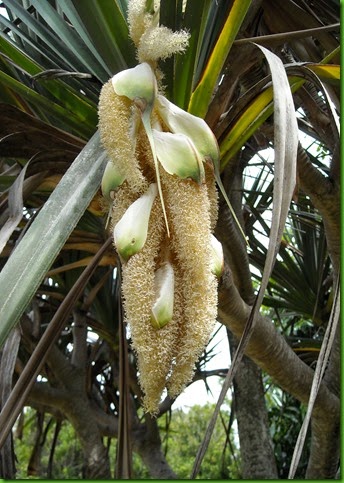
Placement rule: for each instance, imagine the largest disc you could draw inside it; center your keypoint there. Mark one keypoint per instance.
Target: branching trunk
(79, 413)
(92, 424)
(325, 195)
(147, 444)
(258, 460)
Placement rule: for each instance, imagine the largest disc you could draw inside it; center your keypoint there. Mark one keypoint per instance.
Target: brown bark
(256, 449)
(147, 444)
(257, 456)
(74, 404)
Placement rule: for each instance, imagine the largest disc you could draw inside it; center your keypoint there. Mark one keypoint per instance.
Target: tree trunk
(147, 444)
(256, 449)
(97, 463)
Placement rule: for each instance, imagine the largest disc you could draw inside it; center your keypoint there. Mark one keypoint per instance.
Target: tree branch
(272, 353)
(325, 196)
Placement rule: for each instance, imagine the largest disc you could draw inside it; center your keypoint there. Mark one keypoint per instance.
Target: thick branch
(147, 444)
(325, 196)
(233, 243)
(270, 350)
(272, 353)
(91, 424)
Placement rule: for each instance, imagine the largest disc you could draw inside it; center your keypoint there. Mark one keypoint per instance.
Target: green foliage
(285, 419)
(184, 436)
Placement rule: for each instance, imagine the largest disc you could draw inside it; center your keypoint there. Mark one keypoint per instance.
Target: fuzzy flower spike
(163, 209)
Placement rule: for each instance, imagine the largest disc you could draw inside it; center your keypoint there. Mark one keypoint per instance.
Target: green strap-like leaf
(195, 21)
(202, 95)
(326, 72)
(46, 35)
(65, 118)
(107, 28)
(32, 258)
(71, 39)
(73, 16)
(250, 120)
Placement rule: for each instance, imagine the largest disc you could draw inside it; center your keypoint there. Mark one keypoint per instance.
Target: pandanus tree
(129, 133)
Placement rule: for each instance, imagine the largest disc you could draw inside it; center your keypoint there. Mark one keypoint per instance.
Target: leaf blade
(33, 256)
(202, 94)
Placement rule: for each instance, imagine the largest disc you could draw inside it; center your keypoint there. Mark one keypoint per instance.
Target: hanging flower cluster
(160, 185)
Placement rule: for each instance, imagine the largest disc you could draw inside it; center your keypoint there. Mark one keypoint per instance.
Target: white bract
(217, 260)
(178, 155)
(180, 121)
(130, 233)
(138, 84)
(162, 310)
(111, 180)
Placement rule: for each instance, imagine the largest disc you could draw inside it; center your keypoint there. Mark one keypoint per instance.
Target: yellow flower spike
(111, 180)
(217, 260)
(189, 214)
(116, 127)
(162, 310)
(130, 233)
(178, 155)
(154, 348)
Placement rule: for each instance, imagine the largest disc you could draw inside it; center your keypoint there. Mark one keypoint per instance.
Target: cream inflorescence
(163, 203)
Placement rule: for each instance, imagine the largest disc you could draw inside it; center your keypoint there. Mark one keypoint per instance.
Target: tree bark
(324, 193)
(257, 455)
(75, 405)
(256, 449)
(147, 444)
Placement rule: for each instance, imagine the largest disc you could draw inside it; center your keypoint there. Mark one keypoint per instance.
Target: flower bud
(162, 310)
(217, 260)
(130, 233)
(138, 84)
(180, 121)
(178, 155)
(111, 180)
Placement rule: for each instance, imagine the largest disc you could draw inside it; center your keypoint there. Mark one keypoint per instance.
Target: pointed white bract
(217, 259)
(162, 310)
(180, 121)
(130, 233)
(138, 84)
(178, 155)
(111, 180)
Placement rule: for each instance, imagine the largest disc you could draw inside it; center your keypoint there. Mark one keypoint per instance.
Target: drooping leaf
(285, 143)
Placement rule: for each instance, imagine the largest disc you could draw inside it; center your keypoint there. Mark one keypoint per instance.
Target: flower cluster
(160, 185)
